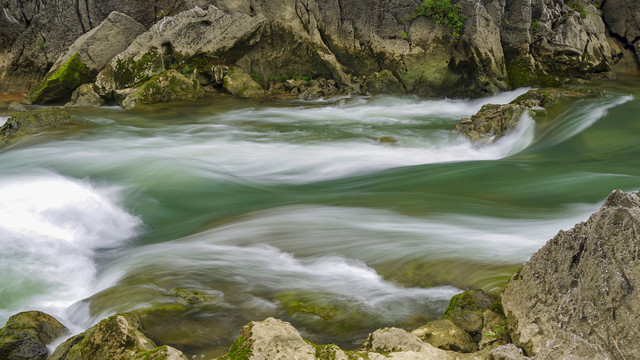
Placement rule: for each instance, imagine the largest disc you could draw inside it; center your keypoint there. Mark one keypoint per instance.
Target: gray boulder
(623, 19)
(383, 83)
(506, 352)
(85, 95)
(26, 335)
(238, 83)
(577, 296)
(167, 87)
(86, 57)
(446, 335)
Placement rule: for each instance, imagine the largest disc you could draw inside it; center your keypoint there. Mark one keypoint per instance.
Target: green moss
(240, 350)
(129, 73)
(444, 13)
(520, 72)
(313, 304)
(577, 6)
(497, 306)
(59, 85)
(152, 354)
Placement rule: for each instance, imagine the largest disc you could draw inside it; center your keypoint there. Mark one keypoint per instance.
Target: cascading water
(340, 216)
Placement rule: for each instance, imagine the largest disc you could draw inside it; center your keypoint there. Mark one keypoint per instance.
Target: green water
(340, 216)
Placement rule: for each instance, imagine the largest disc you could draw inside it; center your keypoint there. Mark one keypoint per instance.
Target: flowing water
(340, 216)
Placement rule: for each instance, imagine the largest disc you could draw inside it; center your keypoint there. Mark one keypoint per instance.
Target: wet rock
(22, 123)
(466, 311)
(118, 338)
(26, 335)
(16, 106)
(444, 334)
(167, 87)
(85, 58)
(494, 121)
(577, 296)
(85, 95)
(241, 84)
(383, 83)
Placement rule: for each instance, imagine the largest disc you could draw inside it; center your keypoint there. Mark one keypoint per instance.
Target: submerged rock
(85, 58)
(23, 123)
(26, 335)
(116, 338)
(578, 295)
(166, 87)
(494, 121)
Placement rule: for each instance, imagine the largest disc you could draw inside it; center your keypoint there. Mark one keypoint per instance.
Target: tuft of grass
(444, 12)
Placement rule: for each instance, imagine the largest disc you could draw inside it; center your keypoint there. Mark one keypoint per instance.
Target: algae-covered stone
(26, 335)
(57, 86)
(32, 122)
(85, 95)
(270, 339)
(242, 84)
(466, 309)
(16, 106)
(446, 335)
(383, 83)
(167, 87)
(116, 338)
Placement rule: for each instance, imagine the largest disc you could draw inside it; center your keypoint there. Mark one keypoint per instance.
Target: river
(340, 216)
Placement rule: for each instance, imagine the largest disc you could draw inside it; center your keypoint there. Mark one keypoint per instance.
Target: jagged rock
(22, 123)
(85, 95)
(85, 58)
(383, 83)
(167, 87)
(16, 106)
(241, 84)
(446, 335)
(176, 40)
(623, 19)
(577, 296)
(494, 121)
(466, 311)
(494, 328)
(270, 339)
(117, 338)
(26, 335)
(506, 352)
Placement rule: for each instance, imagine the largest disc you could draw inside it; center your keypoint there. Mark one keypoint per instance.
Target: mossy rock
(446, 335)
(242, 84)
(31, 122)
(466, 311)
(26, 335)
(169, 86)
(383, 82)
(58, 86)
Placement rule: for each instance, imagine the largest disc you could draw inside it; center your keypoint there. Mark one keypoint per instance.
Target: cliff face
(503, 44)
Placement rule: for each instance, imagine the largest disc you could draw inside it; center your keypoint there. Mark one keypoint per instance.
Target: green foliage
(444, 12)
(535, 25)
(501, 331)
(405, 35)
(239, 350)
(577, 6)
(40, 44)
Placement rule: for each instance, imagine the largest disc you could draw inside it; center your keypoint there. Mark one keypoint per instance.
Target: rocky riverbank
(575, 299)
(306, 49)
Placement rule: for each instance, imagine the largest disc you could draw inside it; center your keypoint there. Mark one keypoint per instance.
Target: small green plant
(535, 25)
(405, 35)
(40, 44)
(444, 12)
(577, 6)
(302, 77)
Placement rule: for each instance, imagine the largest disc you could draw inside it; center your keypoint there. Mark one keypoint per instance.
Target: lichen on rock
(26, 335)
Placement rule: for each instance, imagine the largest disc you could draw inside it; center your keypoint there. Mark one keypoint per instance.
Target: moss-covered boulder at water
(446, 335)
(23, 123)
(116, 338)
(466, 311)
(242, 84)
(57, 86)
(26, 335)
(166, 87)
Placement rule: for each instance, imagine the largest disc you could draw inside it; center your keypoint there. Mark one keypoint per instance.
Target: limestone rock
(577, 296)
(466, 311)
(494, 328)
(85, 95)
(623, 19)
(383, 83)
(270, 339)
(167, 87)
(26, 335)
(506, 352)
(16, 106)
(241, 84)
(444, 334)
(90, 53)
(22, 123)
(116, 338)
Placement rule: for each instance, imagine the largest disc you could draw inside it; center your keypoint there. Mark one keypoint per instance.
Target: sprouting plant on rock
(444, 13)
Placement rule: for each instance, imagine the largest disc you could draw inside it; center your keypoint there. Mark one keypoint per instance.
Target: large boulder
(31, 122)
(117, 338)
(85, 58)
(242, 84)
(623, 19)
(577, 297)
(166, 87)
(27, 334)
